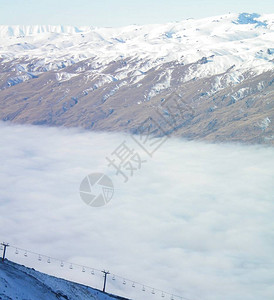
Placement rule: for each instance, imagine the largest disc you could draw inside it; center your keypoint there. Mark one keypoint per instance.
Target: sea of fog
(193, 219)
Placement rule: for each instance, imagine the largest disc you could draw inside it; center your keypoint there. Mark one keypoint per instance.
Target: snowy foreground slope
(221, 68)
(19, 282)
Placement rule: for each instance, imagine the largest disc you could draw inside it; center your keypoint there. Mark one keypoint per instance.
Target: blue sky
(120, 12)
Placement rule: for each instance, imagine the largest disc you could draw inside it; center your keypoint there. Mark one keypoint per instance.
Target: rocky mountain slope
(19, 282)
(209, 79)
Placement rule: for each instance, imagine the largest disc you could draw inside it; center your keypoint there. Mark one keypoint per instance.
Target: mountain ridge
(29, 29)
(20, 282)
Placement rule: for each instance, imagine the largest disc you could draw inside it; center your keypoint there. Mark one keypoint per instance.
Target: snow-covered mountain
(116, 78)
(20, 282)
(243, 40)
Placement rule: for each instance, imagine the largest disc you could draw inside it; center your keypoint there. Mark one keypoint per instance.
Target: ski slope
(19, 282)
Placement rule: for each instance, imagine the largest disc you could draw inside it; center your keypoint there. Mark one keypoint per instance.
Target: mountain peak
(28, 30)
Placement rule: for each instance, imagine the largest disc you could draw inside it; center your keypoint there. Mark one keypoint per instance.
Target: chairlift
(61, 264)
(133, 285)
(16, 251)
(163, 295)
(39, 258)
(48, 261)
(113, 277)
(92, 272)
(71, 267)
(172, 298)
(26, 254)
(153, 292)
(124, 282)
(83, 270)
(143, 289)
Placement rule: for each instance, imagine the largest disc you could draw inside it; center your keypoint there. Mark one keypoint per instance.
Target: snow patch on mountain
(64, 76)
(264, 123)
(163, 84)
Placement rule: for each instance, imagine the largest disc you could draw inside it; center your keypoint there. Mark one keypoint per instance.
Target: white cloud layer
(197, 219)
